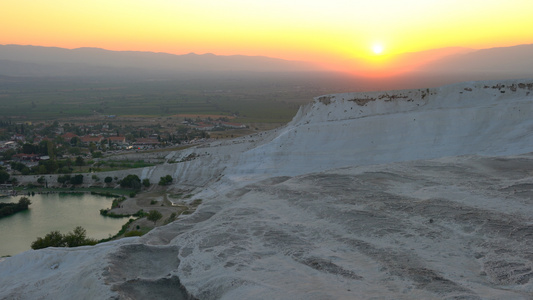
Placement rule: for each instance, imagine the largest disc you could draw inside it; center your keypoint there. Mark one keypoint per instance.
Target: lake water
(50, 212)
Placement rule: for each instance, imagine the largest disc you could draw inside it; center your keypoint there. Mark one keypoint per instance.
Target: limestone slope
(402, 194)
(488, 118)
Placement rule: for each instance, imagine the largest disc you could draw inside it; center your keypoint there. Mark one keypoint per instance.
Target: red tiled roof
(69, 135)
(116, 138)
(88, 139)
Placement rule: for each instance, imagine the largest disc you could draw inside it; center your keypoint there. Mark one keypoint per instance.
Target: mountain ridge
(148, 61)
(466, 63)
(500, 60)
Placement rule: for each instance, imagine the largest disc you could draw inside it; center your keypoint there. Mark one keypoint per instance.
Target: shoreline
(144, 200)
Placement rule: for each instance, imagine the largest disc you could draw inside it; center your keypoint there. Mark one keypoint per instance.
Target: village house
(204, 126)
(28, 159)
(86, 140)
(118, 140)
(18, 137)
(68, 136)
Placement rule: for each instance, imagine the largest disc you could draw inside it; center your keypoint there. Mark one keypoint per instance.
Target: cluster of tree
(166, 180)
(51, 166)
(4, 176)
(8, 154)
(186, 133)
(7, 209)
(12, 128)
(131, 181)
(74, 180)
(43, 148)
(76, 238)
(97, 154)
(108, 213)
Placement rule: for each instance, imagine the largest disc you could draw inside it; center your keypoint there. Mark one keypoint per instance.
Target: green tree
(92, 147)
(29, 149)
(64, 170)
(52, 239)
(77, 238)
(76, 179)
(63, 179)
(75, 141)
(8, 154)
(23, 203)
(74, 151)
(4, 176)
(25, 171)
(108, 179)
(146, 182)
(166, 180)
(51, 166)
(17, 166)
(42, 169)
(131, 181)
(50, 147)
(80, 161)
(154, 216)
(68, 162)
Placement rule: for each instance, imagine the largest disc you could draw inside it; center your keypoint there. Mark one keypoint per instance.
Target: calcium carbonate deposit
(411, 194)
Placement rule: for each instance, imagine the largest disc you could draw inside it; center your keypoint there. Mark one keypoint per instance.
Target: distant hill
(412, 60)
(502, 61)
(439, 66)
(17, 60)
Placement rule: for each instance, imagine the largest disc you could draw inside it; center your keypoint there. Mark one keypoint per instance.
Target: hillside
(404, 194)
(408, 68)
(18, 60)
(489, 63)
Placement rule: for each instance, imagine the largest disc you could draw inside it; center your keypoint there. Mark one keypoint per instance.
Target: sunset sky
(330, 32)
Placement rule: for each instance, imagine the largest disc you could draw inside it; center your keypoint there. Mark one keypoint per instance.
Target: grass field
(258, 98)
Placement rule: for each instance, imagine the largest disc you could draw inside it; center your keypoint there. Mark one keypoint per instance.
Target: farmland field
(255, 98)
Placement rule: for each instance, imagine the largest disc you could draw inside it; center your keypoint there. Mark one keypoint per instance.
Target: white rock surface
(409, 194)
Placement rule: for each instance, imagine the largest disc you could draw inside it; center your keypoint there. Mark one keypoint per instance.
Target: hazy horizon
(337, 35)
(408, 70)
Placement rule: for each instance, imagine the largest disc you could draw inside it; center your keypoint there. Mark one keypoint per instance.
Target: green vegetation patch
(7, 209)
(78, 237)
(114, 165)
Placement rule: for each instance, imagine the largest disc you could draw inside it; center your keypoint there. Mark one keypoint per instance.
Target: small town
(28, 148)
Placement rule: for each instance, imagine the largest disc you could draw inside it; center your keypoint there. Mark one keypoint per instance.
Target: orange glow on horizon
(337, 34)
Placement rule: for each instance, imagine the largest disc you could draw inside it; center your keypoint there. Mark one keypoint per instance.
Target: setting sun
(336, 34)
(377, 49)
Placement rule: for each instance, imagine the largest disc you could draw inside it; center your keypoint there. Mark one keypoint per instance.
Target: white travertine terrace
(406, 194)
